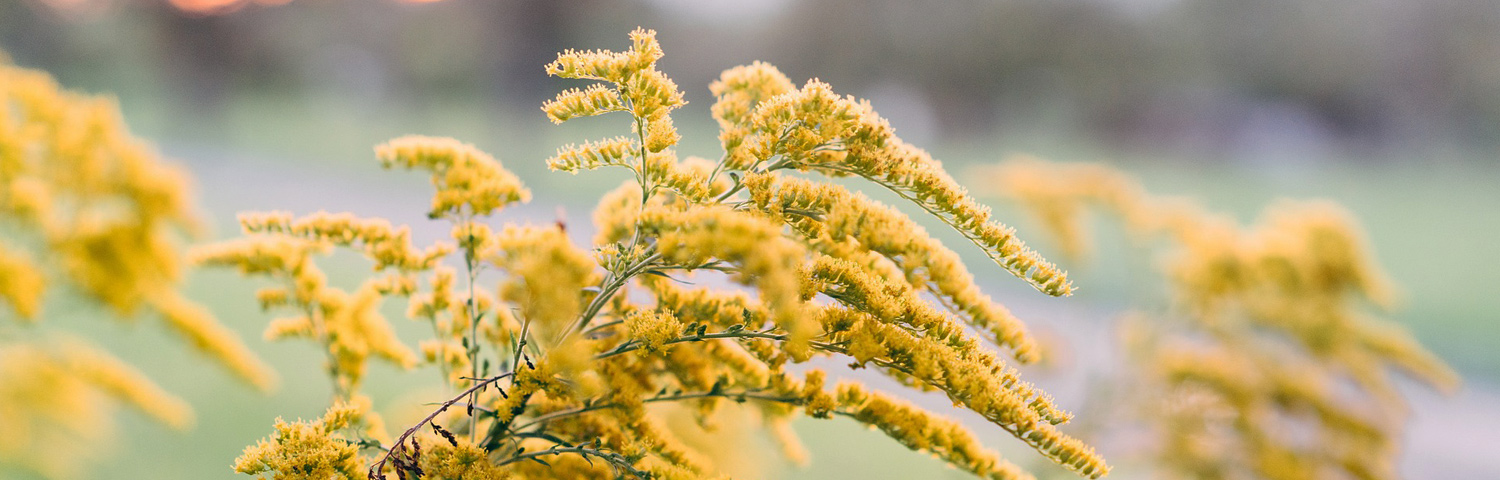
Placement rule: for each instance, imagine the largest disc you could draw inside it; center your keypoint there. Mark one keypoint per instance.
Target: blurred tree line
(1210, 74)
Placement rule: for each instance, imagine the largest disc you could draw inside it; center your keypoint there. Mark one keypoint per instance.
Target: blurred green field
(1432, 222)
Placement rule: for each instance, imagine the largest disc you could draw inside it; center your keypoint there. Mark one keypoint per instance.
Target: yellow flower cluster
(737, 92)
(387, 246)
(813, 128)
(87, 205)
(971, 377)
(468, 181)
(349, 326)
(98, 199)
(1060, 194)
(547, 275)
(102, 209)
(461, 461)
(1260, 392)
(594, 100)
(1302, 274)
(594, 154)
(922, 431)
(571, 370)
(303, 450)
(717, 308)
(196, 325)
(56, 392)
(23, 283)
(764, 258)
(869, 259)
(652, 329)
(446, 310)
(849, 225)
(633, 85)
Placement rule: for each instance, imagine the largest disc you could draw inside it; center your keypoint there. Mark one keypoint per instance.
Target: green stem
(607, 289)
(472, 309)
(634, 345)
(749, 394)
(615, 459)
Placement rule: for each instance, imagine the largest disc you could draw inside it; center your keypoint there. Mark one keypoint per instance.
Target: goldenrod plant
(708, 287)
(1273, 357)
(89, 212)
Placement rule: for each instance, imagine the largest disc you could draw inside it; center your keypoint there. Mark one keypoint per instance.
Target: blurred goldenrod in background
(1271, 354)
(87, 210)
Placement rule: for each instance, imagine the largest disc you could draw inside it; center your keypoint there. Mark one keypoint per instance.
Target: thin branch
(744, 394)
(396, 446)
(614, 459)
(607, 289)
(634, 345)
(472, 310)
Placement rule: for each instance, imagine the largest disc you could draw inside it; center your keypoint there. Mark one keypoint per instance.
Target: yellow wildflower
(22, 285)
(468, 181)
(653, 329)
(829, 214)
(1276, 332)
(594, 100)
(557, 376)
(52, 403)
(549, 274)
(88, 205)
(196, 324)
(313, 450)
(592, 155)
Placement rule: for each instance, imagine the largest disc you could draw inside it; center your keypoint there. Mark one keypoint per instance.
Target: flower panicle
(602, 65)
(924, 431)
(766, 259)
(572, 158)
(196, 324)
(1301, 274)
(632, 84)
(594, 346)
(123, 382)
(90, 206)
(639, 87)
(59, 391)
(594, 100)
(468, 181)
(388, 246)
(309, 449)
(23, 284)
(870, 226)
(814, 128)
(652, 328)
(738, 92)
(687, 178)
(548, 274)
(741, 89)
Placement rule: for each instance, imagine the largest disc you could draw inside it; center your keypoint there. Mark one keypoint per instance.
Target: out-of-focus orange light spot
(207, 7)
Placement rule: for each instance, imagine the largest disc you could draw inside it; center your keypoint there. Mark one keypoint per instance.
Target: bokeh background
(1389, 107)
